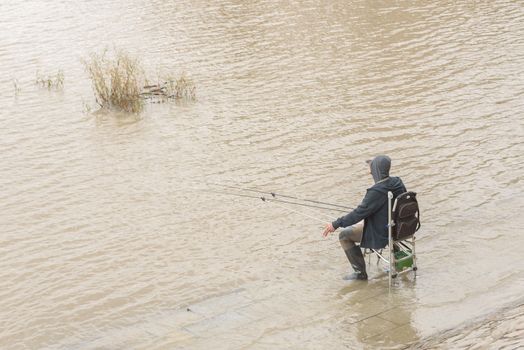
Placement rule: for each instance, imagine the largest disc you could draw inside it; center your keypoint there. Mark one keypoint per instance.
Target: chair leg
(379, 254)
(390, 276)
(392, 263)
(414, 258)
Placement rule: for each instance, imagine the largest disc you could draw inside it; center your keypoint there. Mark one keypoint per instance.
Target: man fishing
(368, 223)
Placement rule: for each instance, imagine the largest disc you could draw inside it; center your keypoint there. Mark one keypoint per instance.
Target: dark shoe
(356, 276)
(356, 259)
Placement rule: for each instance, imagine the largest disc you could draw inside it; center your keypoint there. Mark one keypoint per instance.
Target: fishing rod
(275, 195)
(276, 201)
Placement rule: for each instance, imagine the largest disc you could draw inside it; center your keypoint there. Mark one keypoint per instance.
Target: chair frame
(406, 244)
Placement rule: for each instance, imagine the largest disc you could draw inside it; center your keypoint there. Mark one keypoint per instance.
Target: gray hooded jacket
(374, 207)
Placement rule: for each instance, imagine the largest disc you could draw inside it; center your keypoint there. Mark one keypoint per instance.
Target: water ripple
(99, 227)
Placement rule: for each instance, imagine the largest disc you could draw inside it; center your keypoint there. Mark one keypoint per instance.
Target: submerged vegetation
(16, 86)
(50, 81)
(171, 88)
(47, 81)
(119, 83)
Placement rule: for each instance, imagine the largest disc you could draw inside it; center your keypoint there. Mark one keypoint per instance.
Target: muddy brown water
(106, 242)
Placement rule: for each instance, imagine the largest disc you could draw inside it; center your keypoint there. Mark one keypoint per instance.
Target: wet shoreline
(501, 329)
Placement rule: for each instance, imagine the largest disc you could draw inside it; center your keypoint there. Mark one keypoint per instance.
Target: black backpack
(405, 215)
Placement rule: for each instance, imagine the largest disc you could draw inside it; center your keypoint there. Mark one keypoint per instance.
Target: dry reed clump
(116, 82)
(50, 81)
(120, 83)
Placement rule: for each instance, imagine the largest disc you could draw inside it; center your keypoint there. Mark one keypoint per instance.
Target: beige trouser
(351, 235)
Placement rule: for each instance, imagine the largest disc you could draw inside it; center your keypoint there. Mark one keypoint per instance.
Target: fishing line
(298, 212)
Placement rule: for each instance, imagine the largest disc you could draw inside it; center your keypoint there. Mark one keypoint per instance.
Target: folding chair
(403, 222)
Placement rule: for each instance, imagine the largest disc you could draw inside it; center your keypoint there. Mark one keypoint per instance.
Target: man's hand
(329, 228)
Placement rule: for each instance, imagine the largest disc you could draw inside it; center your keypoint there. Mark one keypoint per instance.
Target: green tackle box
(403, 260)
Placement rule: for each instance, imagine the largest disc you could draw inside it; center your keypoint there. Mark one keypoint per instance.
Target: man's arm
(370, 204)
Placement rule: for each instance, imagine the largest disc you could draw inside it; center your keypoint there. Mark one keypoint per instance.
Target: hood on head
(380, 166)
